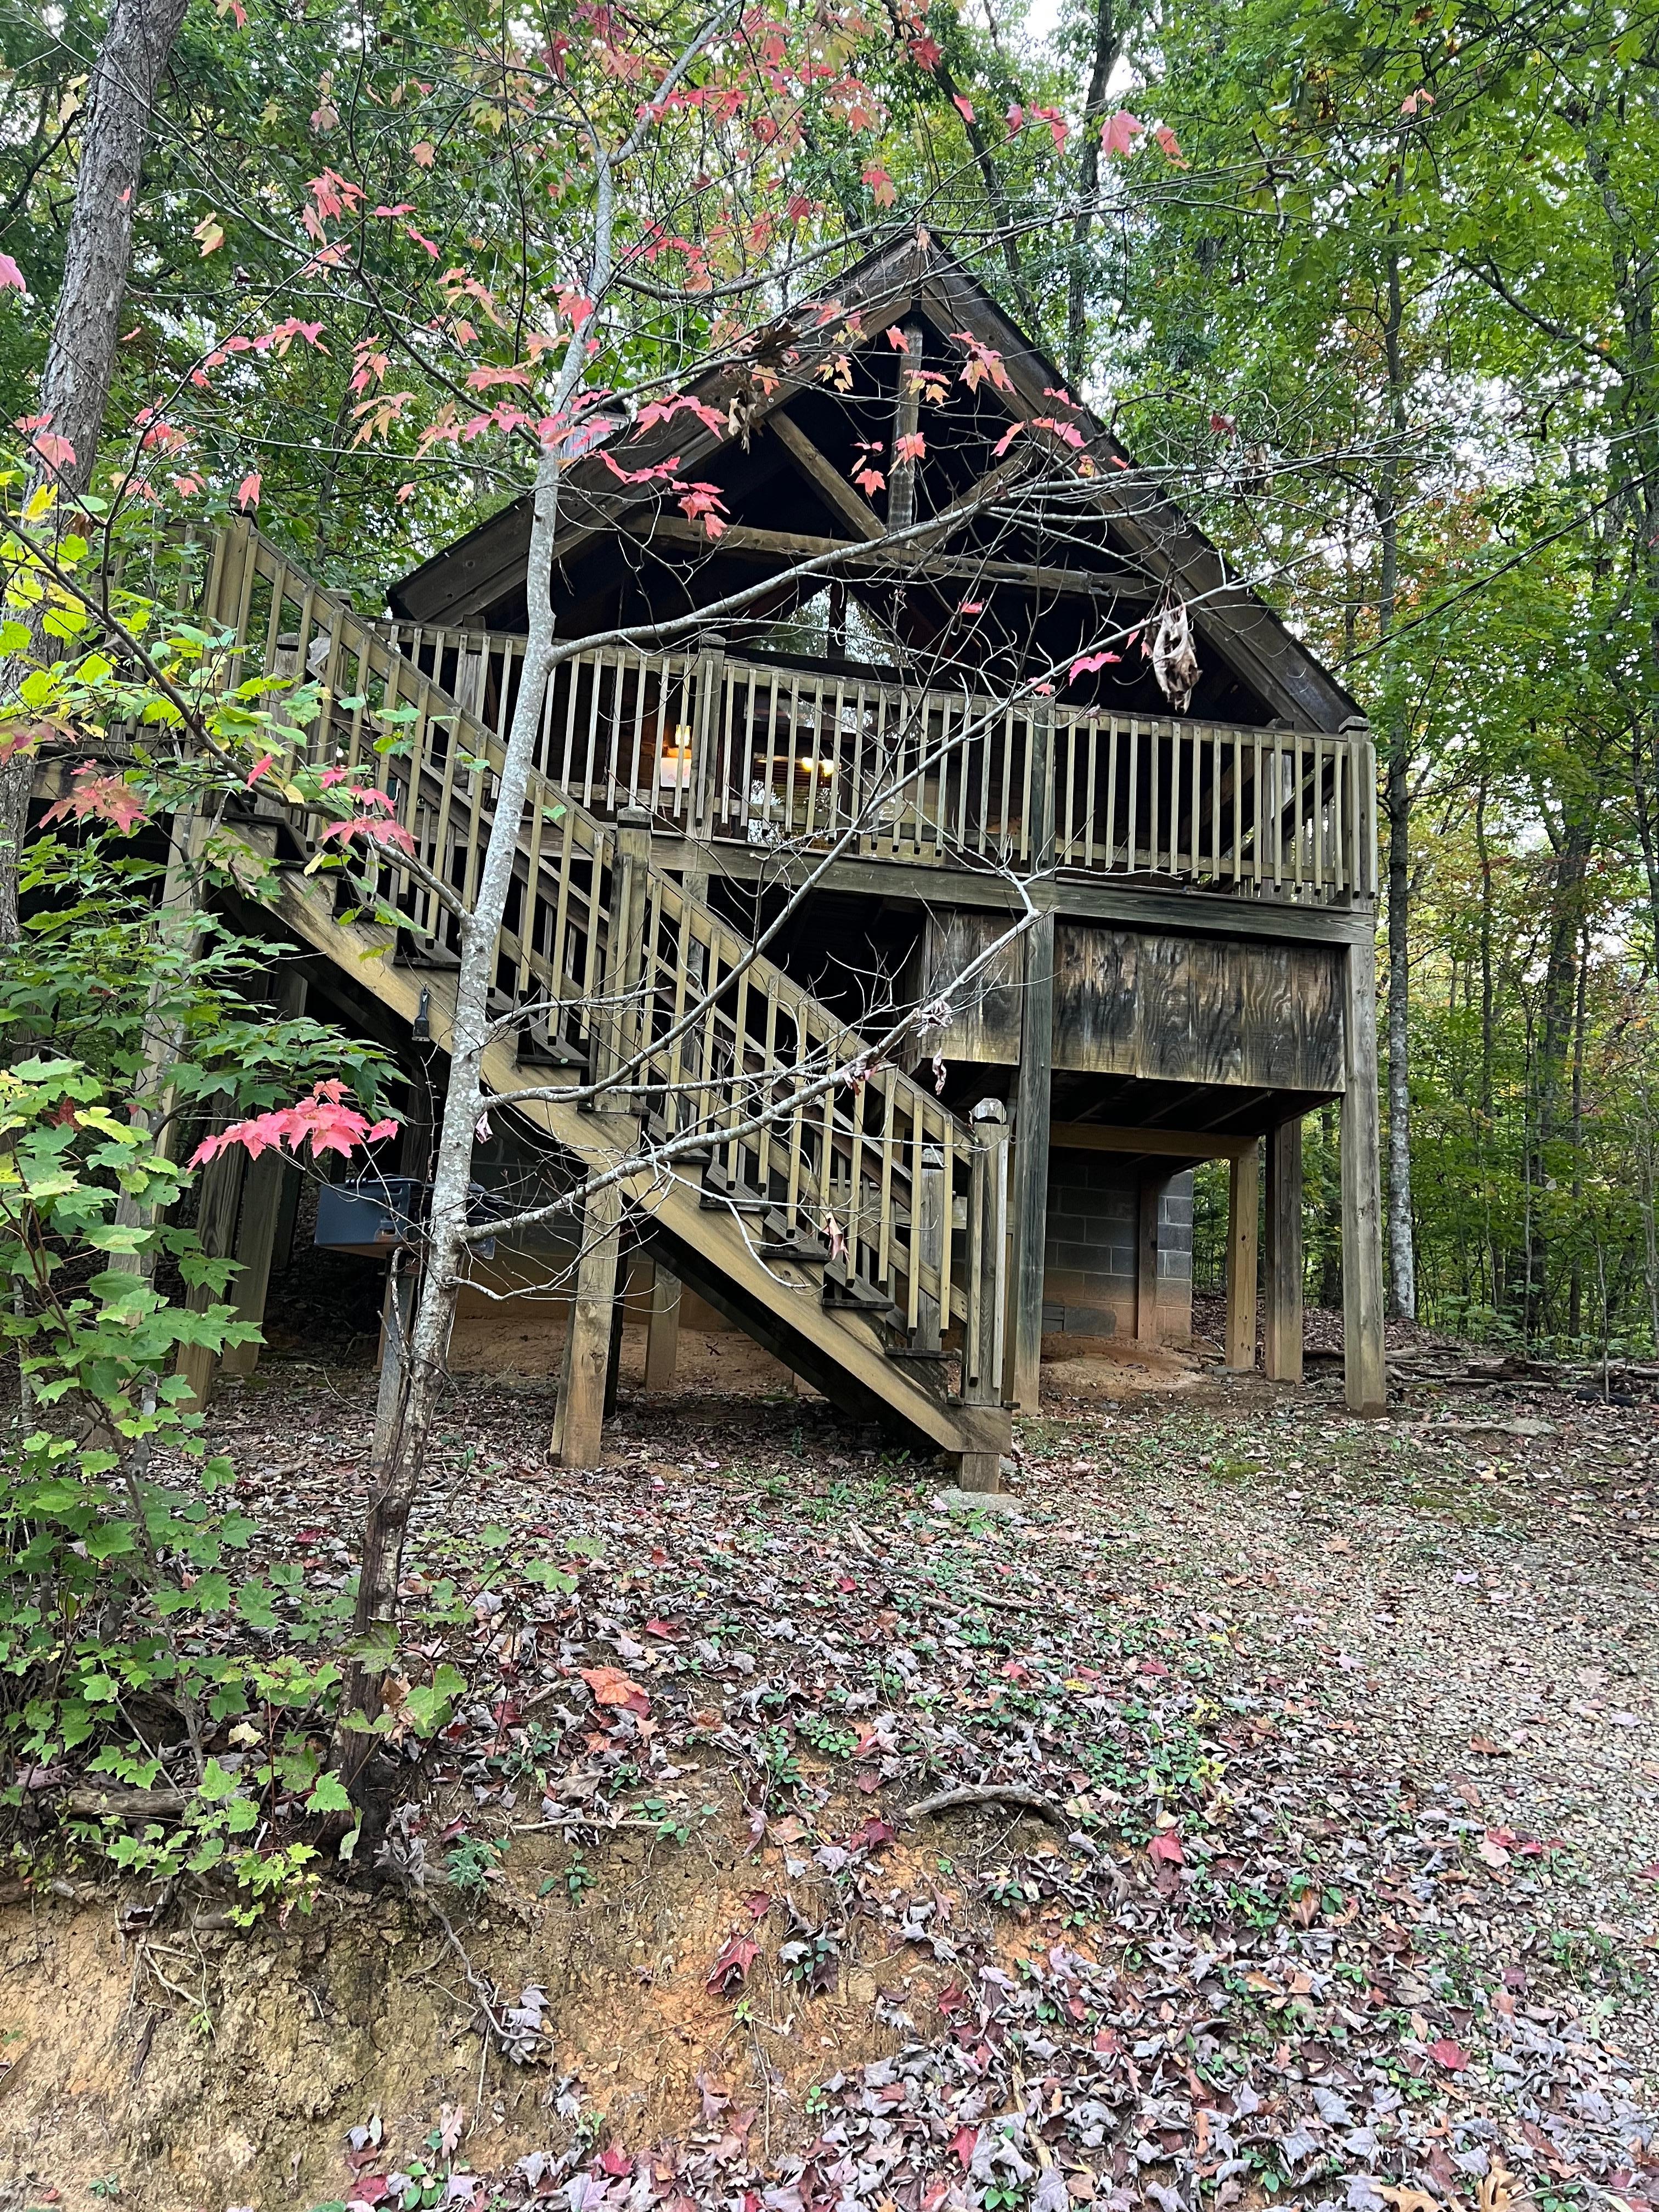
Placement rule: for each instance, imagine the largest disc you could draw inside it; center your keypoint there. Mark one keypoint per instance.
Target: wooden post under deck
(220, 1196)
(580, 1419)
(1031, 1195)
(1282, 1324)
(1364, 1356)
(1244, 1198)
(585, 1380)
(262, 1212)
(984, 1332)
(662, 1333)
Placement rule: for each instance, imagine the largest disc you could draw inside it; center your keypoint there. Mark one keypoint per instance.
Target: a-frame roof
(1035, 564)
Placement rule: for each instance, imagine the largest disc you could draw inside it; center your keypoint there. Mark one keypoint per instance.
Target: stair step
(721, 1194)
(851, 1293)
(412, 952)
(785, 1240)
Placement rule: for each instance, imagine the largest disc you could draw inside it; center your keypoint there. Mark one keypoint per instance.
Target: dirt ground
(1340, 1888)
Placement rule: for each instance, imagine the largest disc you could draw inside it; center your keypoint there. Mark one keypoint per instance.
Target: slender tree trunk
(1397, 800)
(1576, 1293)
(1573, 847)
(1108, 41)
(81, 356)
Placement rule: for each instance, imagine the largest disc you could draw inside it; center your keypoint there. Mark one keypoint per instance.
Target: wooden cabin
(1202, 977)
(926, 663)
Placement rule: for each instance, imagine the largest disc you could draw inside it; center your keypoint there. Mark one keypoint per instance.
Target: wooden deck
(763, 754)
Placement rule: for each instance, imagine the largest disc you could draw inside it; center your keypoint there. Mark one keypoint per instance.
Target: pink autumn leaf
(910, 446)
(265, 761)
(247, 492)
(1118, 133)
(964, 107)
(324, 1119)
(11, 276)
(1090, 662)
(95, 797)
(1170, 146)
(57, 453)
(374, 827)
(1452, 2056)
(896, 339)
(1165, 1847)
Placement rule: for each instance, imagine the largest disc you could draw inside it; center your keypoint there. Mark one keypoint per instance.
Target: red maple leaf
(732, 1965)
(97, 797)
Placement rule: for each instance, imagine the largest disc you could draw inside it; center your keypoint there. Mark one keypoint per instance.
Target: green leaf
(329, 1796)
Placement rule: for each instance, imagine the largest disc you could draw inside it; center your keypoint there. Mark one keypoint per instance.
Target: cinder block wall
(1089, 1256)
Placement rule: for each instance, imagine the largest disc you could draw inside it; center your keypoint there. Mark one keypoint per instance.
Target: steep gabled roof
(1055, 561)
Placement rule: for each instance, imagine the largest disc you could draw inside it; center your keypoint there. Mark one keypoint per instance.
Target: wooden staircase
(821, 1200)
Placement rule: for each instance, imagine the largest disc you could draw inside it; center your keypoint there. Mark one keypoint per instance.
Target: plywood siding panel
(1224, 1011)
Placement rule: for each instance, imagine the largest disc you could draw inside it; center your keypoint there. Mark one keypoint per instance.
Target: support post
(1364, 1360)
(581, 1417)
(613, 1350)
(216, 1209)
(257, 1232)
(1243, 1200)
(1031, 1118)
(662, 1335)
(983, 1330)
(907, 415)
(1282, 1327)
(1148, 1199)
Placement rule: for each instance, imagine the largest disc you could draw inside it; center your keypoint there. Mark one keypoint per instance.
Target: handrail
(761, 753)
(831, 1171)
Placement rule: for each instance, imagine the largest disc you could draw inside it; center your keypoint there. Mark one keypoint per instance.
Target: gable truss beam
(896, 564)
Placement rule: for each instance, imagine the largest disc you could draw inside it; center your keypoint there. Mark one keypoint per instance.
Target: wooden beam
(1170, 1143)
(662, 1335)
(1148, 1199)
(1243, 1202)
(1030, 1163)
(217, 1201)
(1194, 913)
(873, 560)
(1282, 1323)
(813, 464)
(1364, 1361)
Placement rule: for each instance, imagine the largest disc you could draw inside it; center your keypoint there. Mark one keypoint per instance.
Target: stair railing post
(983, 1341)
(705, 757)
(986, 1257)
(616, 1027)
(931, 1202)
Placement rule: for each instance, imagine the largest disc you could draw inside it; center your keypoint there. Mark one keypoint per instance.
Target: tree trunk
(1402, 1258)
(1108, 41)
(81, 357)
(1573, 847)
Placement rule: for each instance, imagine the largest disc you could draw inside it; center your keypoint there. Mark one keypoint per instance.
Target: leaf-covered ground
(1342, 1890)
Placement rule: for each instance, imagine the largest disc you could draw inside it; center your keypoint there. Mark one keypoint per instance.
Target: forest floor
(1340, 1888)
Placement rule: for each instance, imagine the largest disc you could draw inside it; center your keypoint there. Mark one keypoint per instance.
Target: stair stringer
(840, 1352)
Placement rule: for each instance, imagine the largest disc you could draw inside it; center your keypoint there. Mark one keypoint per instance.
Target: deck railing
(603, 957)
(753, 751)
